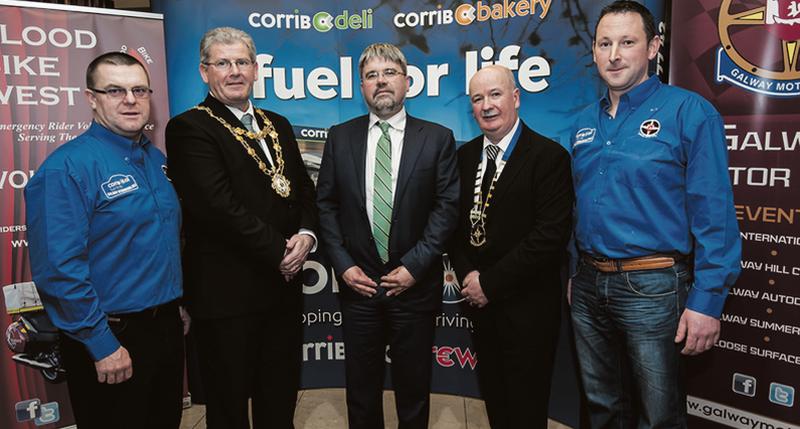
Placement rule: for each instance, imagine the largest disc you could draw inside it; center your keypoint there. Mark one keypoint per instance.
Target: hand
(186, 319)
(359, 282)
(701, 332)
(114, 368)
(295, 255)
(472, 290)
(398, 281)
(569, 292)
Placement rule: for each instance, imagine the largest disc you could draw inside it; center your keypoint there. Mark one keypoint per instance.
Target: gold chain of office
(280, 183)
(478, 215)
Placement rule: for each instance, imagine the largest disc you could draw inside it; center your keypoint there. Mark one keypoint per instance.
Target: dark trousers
(149, 399)
(516, 341)
(254, 356)
(369, 326)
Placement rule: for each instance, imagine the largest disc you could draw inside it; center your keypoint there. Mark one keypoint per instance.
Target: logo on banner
(119, 184)
(781, 394)
(744, 384)
(452, 289)
(649, 128)
(321, 21)
(467, 13)
(34, 409)
(776, 75)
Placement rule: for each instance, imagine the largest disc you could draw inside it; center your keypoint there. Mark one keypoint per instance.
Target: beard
(385, 104)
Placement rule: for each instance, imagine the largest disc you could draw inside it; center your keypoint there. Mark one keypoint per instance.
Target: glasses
(140, 92)
(225, 65)
(388, 74)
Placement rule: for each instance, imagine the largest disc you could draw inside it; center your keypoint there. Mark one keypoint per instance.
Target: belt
(650, 262)
(164, 309)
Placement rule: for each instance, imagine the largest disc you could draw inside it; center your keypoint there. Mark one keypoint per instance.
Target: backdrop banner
(308, 71)
(743, 57)
(44, 51)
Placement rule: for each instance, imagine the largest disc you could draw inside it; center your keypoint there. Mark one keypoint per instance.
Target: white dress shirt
(396, 132)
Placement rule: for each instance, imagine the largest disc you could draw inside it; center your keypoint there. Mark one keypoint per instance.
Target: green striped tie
(382, 193)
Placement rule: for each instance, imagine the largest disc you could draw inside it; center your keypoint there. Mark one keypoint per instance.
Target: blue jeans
(625, 325)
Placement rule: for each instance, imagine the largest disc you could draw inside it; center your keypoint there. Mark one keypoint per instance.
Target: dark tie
(491, 167)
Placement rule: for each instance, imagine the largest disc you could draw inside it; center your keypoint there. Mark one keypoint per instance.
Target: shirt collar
(636, 96)
(104, 134)
(398, 121)
(239, 113)
(505, 141)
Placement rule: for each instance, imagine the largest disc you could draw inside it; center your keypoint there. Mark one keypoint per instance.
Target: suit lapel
(413, 141)
(359, 152)
(514, 164)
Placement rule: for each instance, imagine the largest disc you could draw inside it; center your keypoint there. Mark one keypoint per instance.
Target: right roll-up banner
(742, 55)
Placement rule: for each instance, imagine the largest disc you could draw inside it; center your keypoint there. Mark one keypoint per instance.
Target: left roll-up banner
(44, 51)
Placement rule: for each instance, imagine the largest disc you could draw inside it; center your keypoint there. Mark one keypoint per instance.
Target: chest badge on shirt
(119, 184)
(649, 128)
(584, 135)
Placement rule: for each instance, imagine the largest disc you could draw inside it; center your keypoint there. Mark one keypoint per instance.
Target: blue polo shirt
(104, 234)
(654, 179)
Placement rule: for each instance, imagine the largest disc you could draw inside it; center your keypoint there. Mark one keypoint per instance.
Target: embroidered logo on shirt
(119, 184)
(649, 128)
(584, 135)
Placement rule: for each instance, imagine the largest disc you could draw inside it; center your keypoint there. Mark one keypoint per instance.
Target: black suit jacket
(528, 225)
(424, 211)
(235, 225)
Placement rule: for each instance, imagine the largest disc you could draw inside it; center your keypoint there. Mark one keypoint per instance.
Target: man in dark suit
(516, 201)
(249, 213)
(388, 196)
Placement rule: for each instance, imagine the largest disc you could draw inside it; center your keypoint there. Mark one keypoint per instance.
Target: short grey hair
(387, 51)
(225, 36)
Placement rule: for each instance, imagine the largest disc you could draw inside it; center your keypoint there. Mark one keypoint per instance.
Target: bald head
(495, 99)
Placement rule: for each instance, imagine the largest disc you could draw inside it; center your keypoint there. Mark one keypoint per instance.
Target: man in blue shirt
(655, 230)
(104, 235)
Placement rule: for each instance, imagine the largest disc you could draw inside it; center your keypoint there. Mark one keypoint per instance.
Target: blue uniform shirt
(104, 234)
(654, 179)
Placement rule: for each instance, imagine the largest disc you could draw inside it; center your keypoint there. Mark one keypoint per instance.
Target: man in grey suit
(388, 200)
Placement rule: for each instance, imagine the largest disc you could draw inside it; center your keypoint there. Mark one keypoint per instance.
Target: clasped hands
(397, 281)
(472, 291)
(297, 249)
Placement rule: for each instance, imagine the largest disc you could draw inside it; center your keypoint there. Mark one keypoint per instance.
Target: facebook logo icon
(781, 394)
(744, 385)
(34, 409)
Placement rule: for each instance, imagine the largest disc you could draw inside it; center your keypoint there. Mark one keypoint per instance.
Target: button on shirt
(396, 132)
(654, 179)
(104, 234)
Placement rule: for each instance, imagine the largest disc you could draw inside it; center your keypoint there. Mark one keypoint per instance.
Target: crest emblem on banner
(451, 293)
(777, 75)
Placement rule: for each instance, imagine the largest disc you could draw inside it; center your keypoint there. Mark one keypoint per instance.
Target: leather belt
(650, 262)
(166, 308)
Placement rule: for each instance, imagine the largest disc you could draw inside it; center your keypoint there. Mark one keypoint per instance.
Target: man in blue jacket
(655, 229)
(104, 236)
